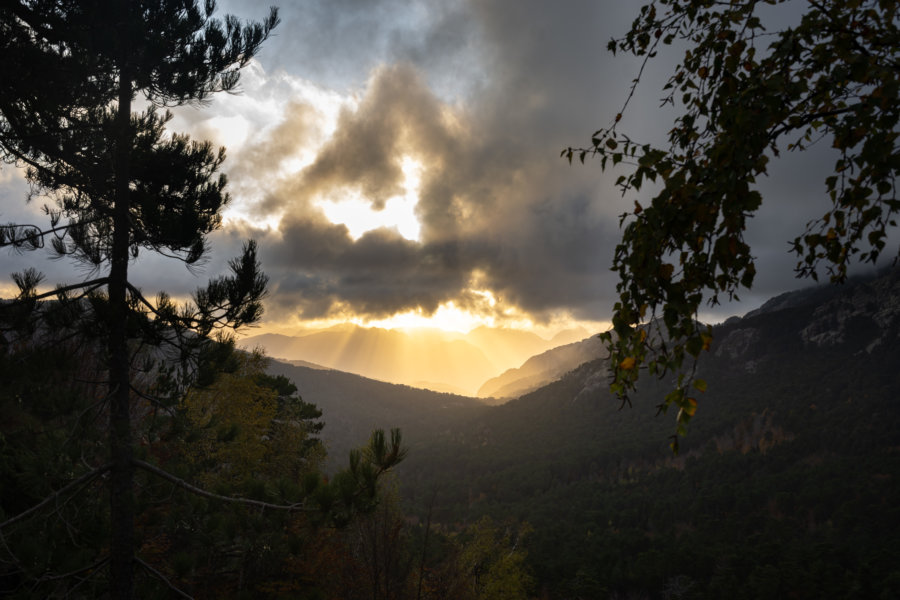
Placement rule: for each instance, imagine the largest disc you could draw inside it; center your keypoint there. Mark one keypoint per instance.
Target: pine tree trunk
(121, 501)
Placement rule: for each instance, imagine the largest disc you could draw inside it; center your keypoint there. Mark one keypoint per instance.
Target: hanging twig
(299, 507)
(163, 578)
(84, 479)
(95, 565)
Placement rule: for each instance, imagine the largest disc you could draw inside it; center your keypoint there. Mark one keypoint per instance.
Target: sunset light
(448, 317)
(317, 301)
(399, 212)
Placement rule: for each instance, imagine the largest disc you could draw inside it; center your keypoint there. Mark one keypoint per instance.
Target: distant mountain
(446, 360)
(303, 363)
(352, 406)
(790, 460)
(542, 369)
(507, 346)
(387, 355)
(569, 336)
(439, 387)
(816, 345)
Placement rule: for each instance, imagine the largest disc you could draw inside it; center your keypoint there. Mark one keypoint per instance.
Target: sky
(398, 162)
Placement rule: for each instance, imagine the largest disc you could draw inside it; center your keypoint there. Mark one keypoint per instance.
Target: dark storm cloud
(488, 206)
(259, 162)
(337, 43)
(496, 201)
(322, 271)
(485, 95)
(299, 122)
(367, 148)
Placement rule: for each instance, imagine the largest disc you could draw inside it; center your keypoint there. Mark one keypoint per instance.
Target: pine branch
(36, 232)
(91, 285)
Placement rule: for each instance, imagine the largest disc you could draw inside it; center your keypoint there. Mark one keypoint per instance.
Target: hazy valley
(433, 359)
(792, 458)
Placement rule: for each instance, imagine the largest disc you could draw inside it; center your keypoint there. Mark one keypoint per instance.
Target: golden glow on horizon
(478, 307)
(447, 317)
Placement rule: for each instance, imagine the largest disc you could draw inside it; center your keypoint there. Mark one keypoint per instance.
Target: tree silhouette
(118, 184)
(747, 95)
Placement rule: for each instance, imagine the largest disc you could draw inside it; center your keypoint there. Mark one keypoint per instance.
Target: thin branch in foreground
(95, 565)
(83, 480)
(92, 285)
(201, 492)
(162, 578)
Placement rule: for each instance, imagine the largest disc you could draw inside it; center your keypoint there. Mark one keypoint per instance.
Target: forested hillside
(352, 405)
(786, 484)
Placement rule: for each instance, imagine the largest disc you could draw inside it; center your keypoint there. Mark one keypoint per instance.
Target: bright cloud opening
(448, 317)
(399, 212)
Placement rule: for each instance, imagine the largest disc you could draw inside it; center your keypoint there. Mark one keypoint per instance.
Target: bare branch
(162, 578)
(84, 479)
(95, 565)
(93, 284)
(299, 507)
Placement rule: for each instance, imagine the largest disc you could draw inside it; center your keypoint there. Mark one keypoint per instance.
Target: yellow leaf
(627, 364)
(690, 407)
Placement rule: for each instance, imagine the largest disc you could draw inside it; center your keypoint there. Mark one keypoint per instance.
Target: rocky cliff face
(869, 309)
(864, 311)
(859, 318)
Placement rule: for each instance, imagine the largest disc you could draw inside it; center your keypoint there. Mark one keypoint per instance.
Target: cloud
(483, 96)
(518, 217)
(484, 110)
(321, 272)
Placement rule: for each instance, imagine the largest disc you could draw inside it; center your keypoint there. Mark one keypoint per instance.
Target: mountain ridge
(541, 369)
(447, 360)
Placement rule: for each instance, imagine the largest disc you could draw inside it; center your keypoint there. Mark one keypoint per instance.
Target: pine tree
(118, 184)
